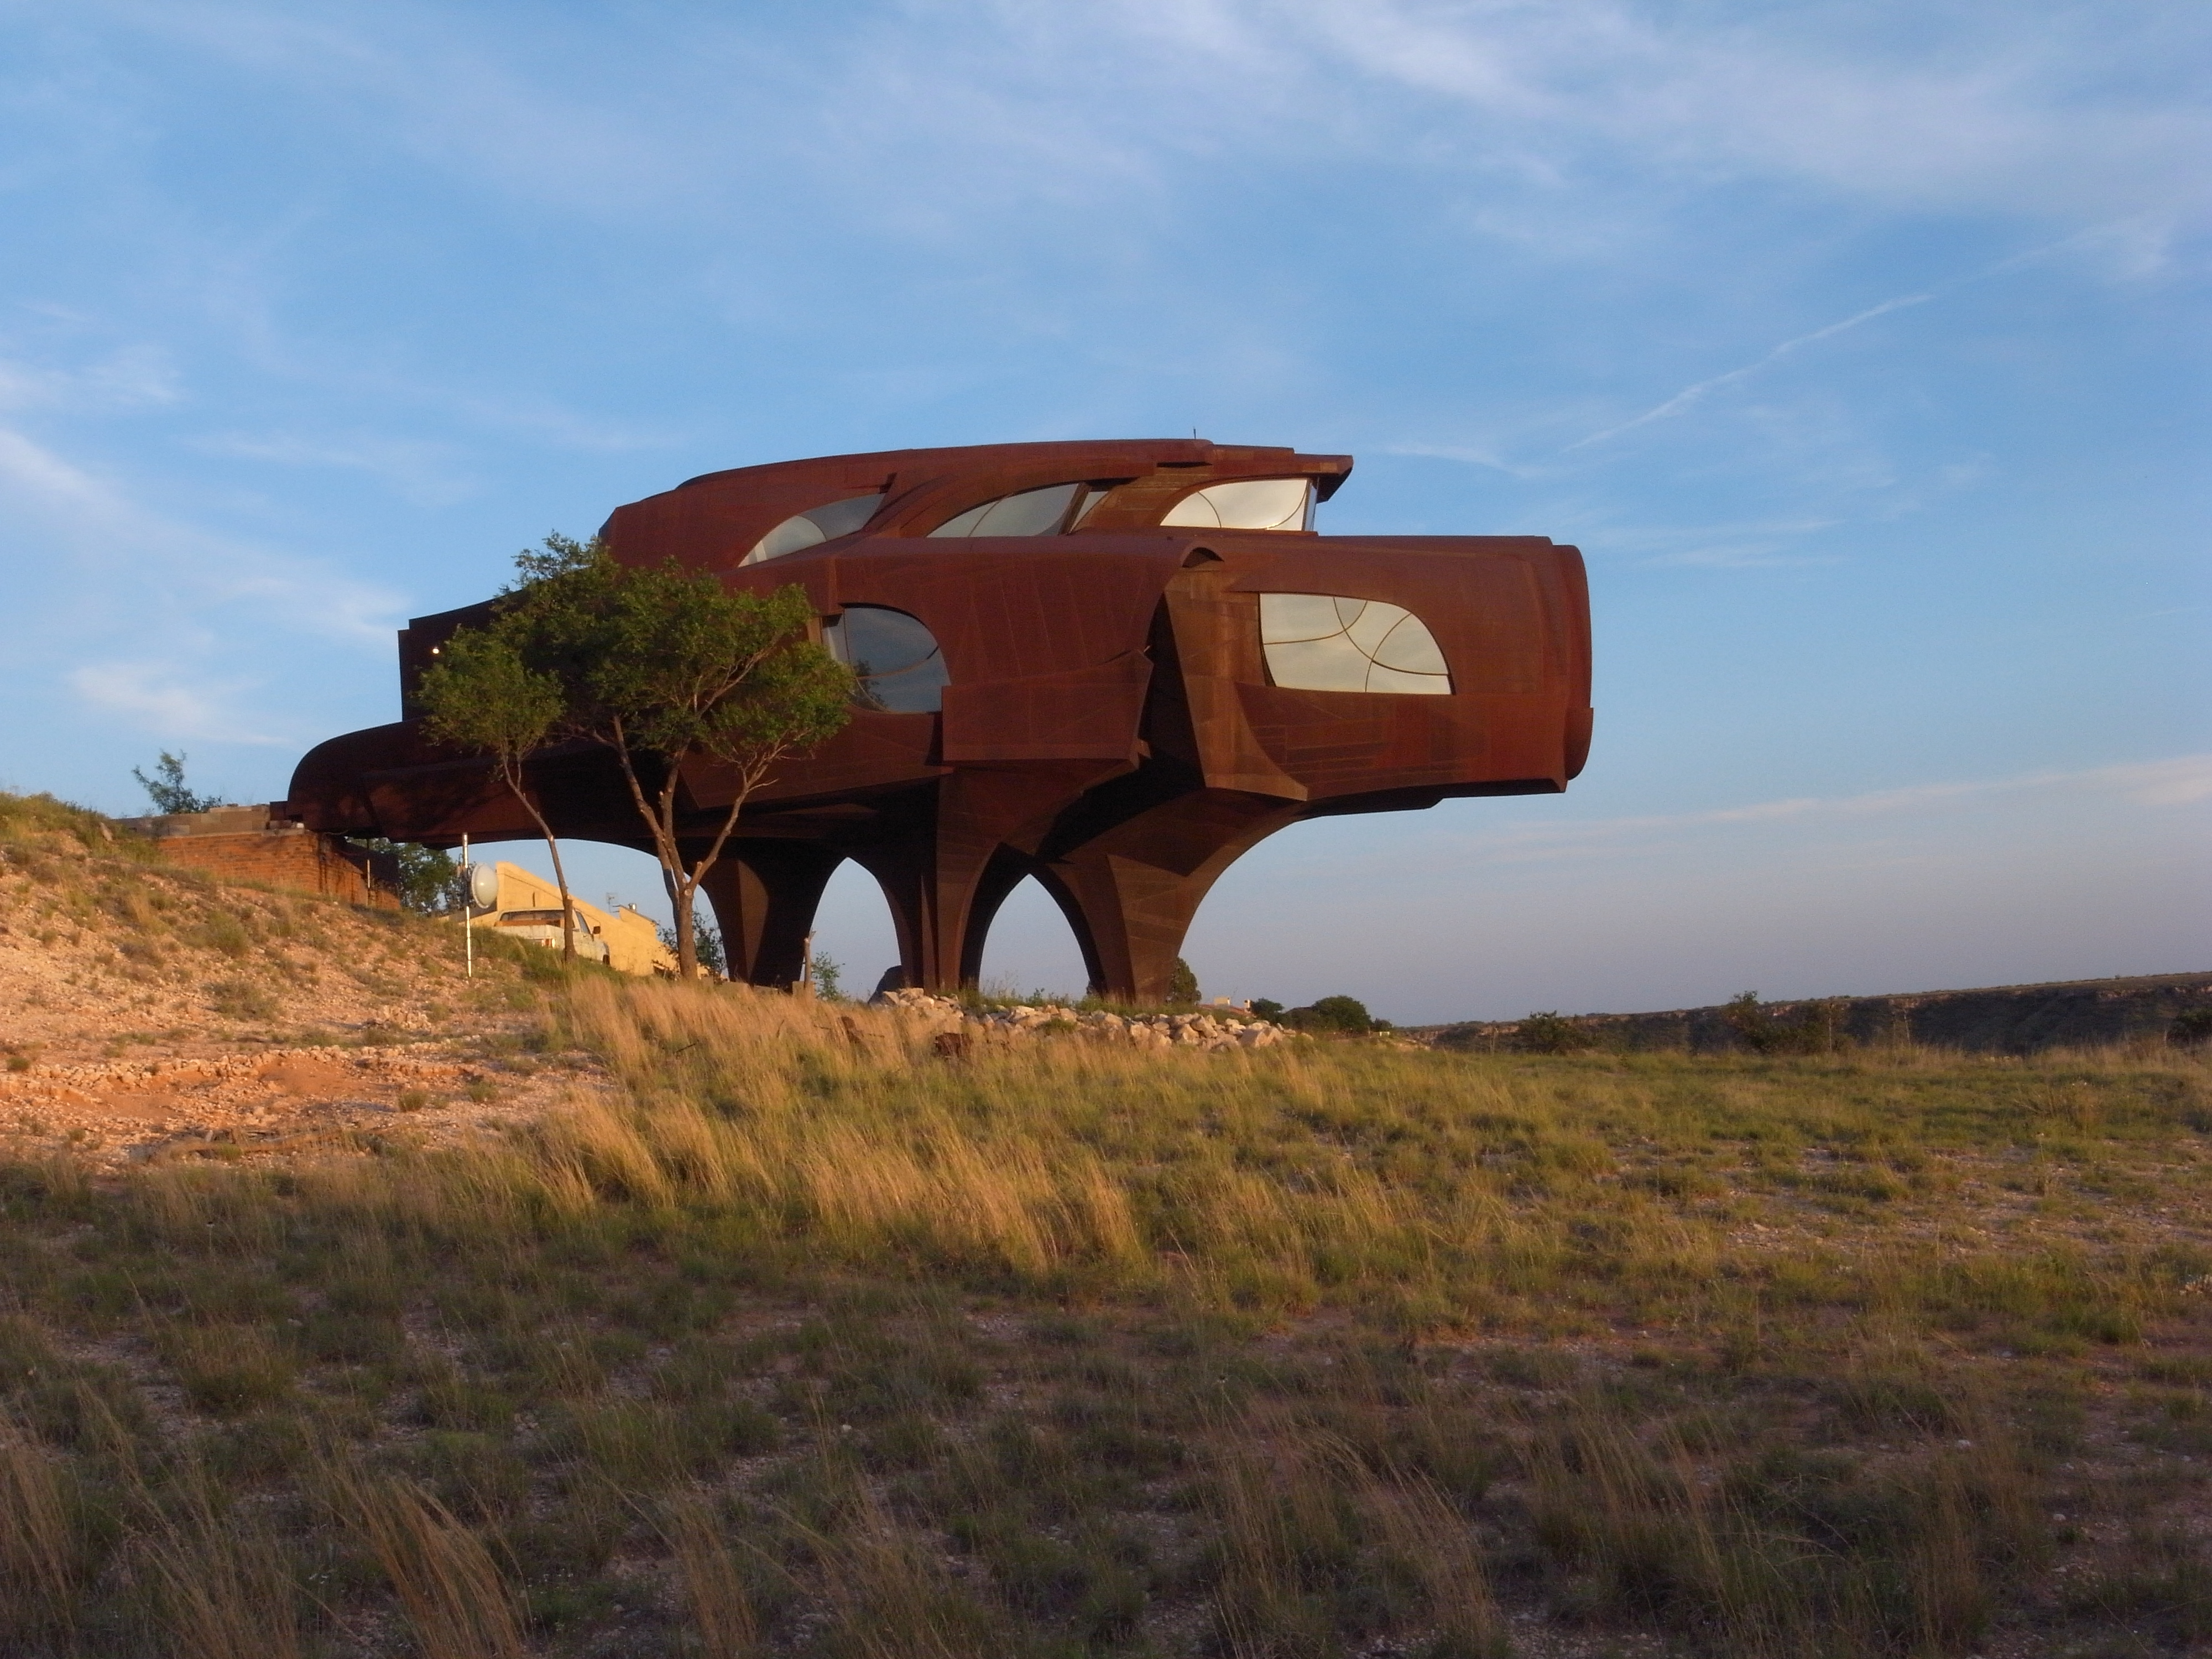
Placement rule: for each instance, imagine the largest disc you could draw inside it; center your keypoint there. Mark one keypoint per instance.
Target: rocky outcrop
(2014, 1019)
(1200, 1029)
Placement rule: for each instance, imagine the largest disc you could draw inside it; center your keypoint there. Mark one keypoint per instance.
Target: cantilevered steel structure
(1112, 666)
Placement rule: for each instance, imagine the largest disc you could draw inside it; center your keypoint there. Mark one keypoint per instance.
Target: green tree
(669, 671)
(428, 884)
(707, 941)
(480, 694)
(1346, 1014)
(169, 791)
(1182, 985)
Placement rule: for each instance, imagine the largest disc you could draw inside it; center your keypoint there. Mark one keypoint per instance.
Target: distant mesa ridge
(2015, 1019)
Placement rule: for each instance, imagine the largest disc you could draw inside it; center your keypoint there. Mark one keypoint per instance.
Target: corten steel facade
(1111, 667)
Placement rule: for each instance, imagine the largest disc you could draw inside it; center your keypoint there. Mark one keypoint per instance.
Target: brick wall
(238, 843)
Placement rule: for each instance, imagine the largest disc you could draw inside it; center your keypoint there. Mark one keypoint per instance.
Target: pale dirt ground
(148, 1013)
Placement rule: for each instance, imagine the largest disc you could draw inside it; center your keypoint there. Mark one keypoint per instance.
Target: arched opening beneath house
(1030, 947)
(853, 928)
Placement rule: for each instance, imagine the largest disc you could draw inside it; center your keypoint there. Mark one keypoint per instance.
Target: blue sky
(1862, 349)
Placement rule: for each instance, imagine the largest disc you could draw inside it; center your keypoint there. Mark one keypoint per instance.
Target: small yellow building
(529, 908)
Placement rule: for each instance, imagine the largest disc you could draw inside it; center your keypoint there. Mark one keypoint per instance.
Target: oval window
(1322, 642)
(1031, 512)
(1247, 504)
(893, 655)
(816, 524)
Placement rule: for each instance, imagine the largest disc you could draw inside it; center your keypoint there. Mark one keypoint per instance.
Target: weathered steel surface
(1109, 725)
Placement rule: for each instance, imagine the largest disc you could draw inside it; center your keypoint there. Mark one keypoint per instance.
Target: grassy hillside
(787, 1337)
(105, 951)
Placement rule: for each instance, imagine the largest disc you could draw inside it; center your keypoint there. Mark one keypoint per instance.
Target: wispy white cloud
(423, 472)
(2041, 115)
(1473, 455)
(170, 700)
(2034, 112)
(1693, 393)
(135, 377)
(130, 568)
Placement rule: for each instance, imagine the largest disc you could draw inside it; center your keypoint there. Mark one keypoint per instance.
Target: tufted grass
(802, 1339)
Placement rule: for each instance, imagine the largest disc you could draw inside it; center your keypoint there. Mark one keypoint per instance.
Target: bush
(1345, 1014)
(1550, 1034)
(2191, 1028)
(1817, 1028)
(238, 999)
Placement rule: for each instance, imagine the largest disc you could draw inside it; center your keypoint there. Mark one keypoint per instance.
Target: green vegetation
(1182, 986)
(799, 1341)
(1817, 1028)
(35, 828)
(1549, 1033)
(661, 666)
(1339, 1015)
(428, 882)
(169, 791)
(480, 694)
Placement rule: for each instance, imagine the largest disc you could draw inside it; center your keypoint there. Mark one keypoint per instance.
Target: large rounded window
(1032, 513)
(1247, 504)
(816, 524)
(893, 655)
(1322, 642)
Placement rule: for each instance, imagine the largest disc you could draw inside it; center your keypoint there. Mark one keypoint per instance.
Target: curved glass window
(1248, 504)
(1321, 643)
(1031, 512)
(893, 656)
(818, 523)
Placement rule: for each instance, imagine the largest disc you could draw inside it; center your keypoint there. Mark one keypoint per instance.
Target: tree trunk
(510, 768)
(659, 816)
(568, 904)
(687, 947)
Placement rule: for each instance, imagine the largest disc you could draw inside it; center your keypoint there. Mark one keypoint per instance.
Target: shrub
(2191, 1028)
(1550, 1034)
(223, 933)
(1345, 1014)
(1816, 1028)
(238, 999)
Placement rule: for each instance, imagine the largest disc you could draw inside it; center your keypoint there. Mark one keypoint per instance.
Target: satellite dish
(483, 886)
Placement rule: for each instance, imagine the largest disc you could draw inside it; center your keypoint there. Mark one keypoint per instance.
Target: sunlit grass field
(805, 1340)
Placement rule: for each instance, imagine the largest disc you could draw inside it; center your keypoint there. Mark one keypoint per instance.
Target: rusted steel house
(1111, 667)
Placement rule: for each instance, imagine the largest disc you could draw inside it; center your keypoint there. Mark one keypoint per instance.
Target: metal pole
(468, 906)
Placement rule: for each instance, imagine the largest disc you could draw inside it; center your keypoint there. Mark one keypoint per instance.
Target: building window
(892, 654)
(1031, 512)
(1247, 504)
(1322, 642)
(818, 523)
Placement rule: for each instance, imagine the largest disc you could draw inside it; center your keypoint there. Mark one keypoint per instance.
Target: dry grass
(457, 1603)
(41, 1566)
(222, 1589)
(713, 1587)
(805, 1340)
